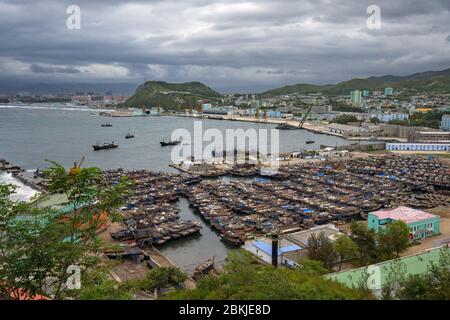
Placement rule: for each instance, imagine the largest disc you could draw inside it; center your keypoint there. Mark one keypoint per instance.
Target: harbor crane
(302, 122)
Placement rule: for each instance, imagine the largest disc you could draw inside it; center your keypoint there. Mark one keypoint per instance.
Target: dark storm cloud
(231, 45)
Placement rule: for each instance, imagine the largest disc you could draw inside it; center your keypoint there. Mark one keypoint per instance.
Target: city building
(386, 117)
(445, 122)
(355, 97)
(421, 224)
(365, 93)
(224, 110)
(388, 91)
(411, 146)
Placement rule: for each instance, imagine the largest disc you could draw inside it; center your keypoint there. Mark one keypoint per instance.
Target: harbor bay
(29, 136)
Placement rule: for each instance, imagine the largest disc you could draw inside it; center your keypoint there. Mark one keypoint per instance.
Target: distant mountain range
(170, 95)
(177, 94)
(425, 81)
(68, 88)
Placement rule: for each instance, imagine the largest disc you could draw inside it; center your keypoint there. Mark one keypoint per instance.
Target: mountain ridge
(427, 81)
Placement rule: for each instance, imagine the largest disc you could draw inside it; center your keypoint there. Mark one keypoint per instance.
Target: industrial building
(430, 136)
(263, 249)
(421, 224)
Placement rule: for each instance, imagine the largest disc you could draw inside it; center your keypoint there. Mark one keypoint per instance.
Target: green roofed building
(376, 275)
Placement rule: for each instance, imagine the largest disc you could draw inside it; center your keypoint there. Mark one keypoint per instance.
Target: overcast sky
(230, 45)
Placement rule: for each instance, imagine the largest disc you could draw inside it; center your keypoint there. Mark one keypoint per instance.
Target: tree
(395, 276)
(244, 278)
(162, 278)
(375, 120)
(345, 248)
(321, 248)
(398, 122)
(432, 285)
(345, 118)
(365, 239)
(395, 239)
(37, 246)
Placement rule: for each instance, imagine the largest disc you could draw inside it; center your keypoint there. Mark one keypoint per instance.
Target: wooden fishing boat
(204, 268)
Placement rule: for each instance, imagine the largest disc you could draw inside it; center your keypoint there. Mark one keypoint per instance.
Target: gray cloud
(231, 45)
(36, 68)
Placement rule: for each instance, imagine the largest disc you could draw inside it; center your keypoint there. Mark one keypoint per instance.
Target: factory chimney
(275, 250)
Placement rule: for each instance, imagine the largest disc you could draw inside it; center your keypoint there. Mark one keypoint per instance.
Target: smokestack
(275, 250)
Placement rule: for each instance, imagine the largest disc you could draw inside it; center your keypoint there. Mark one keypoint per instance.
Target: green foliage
(321, 248)
(160, 278)
(96, 285)
(342, 107)
(398, 122)
(365, 239)
(40, 244)
(394, 240)
(394, 278)
(344, 119)
(432, 81)
(431, 119)
(243, 278)
(375, 120)
(312, 267)
(373, 248)
(170, 96)
(432, 285)
(345, 248)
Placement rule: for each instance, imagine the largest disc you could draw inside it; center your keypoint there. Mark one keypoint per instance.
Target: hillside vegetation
(438, 81)
(170, 96)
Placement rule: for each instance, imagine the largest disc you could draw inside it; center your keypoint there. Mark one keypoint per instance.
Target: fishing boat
(204, 268)
(285, 126)
(104, 146)
(310, 141)
(169, 143)
(232, 239)
(106, 125)
(129, 136)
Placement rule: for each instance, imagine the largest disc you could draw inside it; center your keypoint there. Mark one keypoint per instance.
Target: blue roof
(267, 248)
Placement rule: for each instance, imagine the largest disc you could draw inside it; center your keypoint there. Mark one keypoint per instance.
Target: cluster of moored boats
(150, 216)
(304, 194)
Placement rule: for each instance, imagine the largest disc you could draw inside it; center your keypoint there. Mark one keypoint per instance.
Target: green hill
(170, 96)
(426, 81)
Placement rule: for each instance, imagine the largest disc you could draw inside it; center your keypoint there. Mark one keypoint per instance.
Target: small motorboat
(129, 136)
(104, 146)
(106, 125)
(310, 141)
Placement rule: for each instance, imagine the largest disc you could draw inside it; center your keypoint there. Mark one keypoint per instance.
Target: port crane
(302, 122)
